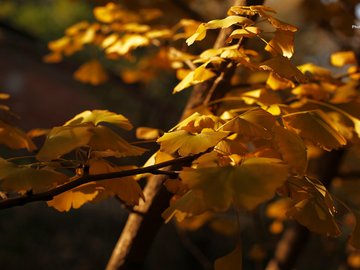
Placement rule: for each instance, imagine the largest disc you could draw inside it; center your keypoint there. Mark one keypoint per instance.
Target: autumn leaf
(314, 214)
(107, 142)
(231, 261)
(14, 137)
(199, 75)
(247, 129)
(314, 69)
(127, 43)
(282, 43)
(74, 198)
(292, 149)
(200, 33)
(64, 139)
(216, 188)
(283, 67)
(21, 178)
(186, 143)
(91, 72)
(248, 32)
(97, 117)
(340, 59)
(128, 190)
(317, 127)
(147, 133)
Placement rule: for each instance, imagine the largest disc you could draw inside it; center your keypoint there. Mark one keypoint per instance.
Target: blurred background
(46, 95)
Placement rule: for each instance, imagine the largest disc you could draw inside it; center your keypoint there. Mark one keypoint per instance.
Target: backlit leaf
(317, 127)
(127, 43)
(146, 133)
(249, 32)
(340, 59)
(283, 67)
(199, 75)
(245, 128)
(314, 214)
(21, 179)
(231, 261)
(105, 140)
(282, 43)
(100, 116)
(186, 143)
(247, 185)
(292, 149)
(62, 140)
(74, 198)
(14, 137)
(215, 24)
(91, 72)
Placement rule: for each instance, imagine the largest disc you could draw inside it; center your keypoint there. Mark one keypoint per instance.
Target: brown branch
(50, 194)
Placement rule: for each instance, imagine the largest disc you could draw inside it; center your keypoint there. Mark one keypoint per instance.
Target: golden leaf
(317, 127)
(282, 43)
(106, 142)
(200, 33)
(186, 143)
(14, 137)
(91, 72)
(276, 82)
(62, 140)
(314, 69)
(283, 67)
(292, 149)
(97, 117)
(127, 43)
(248, 32)
(21, 179)
(147, 133)
(199, 75)
(74, 198)
(216, 188)
(340, 59)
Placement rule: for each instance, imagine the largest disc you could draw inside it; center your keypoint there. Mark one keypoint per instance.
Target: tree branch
(50, 194)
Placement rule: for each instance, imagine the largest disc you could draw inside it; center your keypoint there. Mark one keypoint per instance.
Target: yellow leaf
(282, 43)
(74, 198)
(283, 67)
(248, 32)
(186, 143)
(196, 122)
(146, 133)
(91, 72)
(314, 69)
(14, 137)
(62, 140)
(126, 188)
(355, 235)
(127, 43)
(247, 185)
(100, 116)
(107, 142)
(21, 179)
(340, 59)
(292, 149)
(316, 127)
(199, 75)
(247, 129)
(231, 261)
(109, 13)
(278, 83)
(314, 214)
(215, 24)
(249, 10)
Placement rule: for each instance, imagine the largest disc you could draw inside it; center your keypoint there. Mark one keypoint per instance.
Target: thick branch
(50, 194)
